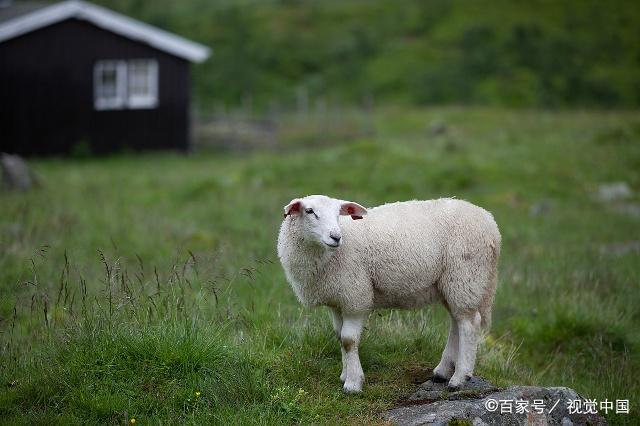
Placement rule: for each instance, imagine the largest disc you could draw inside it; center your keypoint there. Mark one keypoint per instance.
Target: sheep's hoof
(354, 386)
(437, 378)
(443, 372)
(453, 388)
(456, 383)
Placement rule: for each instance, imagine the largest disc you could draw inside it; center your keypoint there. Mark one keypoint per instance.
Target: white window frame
(124, 96)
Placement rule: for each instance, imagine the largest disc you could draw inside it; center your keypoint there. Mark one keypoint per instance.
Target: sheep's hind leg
(350, 338)
(336, 316)
(445, 368)
(467, 346)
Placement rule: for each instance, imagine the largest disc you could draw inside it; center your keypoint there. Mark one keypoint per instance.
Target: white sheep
(402, 255)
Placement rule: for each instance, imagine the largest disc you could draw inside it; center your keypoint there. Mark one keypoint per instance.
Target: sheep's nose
(335, 237)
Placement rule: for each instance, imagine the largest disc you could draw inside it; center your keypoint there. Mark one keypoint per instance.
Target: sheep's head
(317, 216)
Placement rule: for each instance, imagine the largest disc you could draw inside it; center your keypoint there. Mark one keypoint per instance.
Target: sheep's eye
(308, 211)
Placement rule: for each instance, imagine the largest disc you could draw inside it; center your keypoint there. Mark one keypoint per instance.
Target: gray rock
(540, 208)
(431, 390)
(437, 128)
(480, 403)
(15, 172)
(614, 191)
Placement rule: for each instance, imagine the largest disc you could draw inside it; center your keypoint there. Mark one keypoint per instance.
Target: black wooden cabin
(75, 77)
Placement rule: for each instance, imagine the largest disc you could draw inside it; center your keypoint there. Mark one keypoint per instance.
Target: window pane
(109, 79)
(139, 78)
(143, 83)
(108, 85)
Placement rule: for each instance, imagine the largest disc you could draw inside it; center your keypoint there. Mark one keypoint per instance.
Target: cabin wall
(46, 94)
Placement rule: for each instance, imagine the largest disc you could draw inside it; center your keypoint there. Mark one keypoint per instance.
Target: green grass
(171, 285)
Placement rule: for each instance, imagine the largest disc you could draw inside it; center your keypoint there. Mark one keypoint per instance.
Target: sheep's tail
(487, 301)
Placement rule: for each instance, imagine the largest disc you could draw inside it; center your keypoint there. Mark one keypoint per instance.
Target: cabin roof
(19, 19)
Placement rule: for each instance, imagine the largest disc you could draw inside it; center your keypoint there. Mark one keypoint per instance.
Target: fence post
(302, 101)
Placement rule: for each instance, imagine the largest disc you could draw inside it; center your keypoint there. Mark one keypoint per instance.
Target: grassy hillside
(536, 52)
(147, 287)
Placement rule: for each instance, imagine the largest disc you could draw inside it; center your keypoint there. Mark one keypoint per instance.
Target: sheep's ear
(294, 207)
(355, 210)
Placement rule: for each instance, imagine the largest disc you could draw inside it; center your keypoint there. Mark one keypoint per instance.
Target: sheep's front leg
(350, 338)
(336, 316)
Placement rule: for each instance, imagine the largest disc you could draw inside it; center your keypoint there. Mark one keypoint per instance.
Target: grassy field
(148, 287)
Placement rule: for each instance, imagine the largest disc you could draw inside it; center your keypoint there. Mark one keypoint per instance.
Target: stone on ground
(480, 403)
(15, 172)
